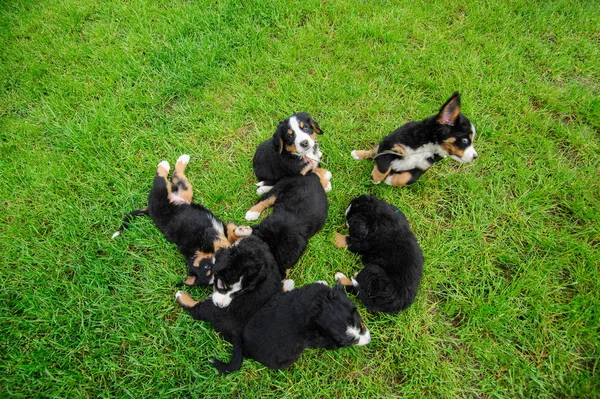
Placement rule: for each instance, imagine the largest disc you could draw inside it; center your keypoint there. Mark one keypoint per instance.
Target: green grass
(93, 95)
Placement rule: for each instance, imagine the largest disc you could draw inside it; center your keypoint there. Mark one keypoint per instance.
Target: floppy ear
(315, 126)
(280, 145)
(449, 111)
(359, 228)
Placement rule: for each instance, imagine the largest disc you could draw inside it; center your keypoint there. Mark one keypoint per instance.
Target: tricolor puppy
(390, 253)
(196, 231)
(245, 278)
(406, 153)
(292, 151)
(299, 212)
(314, 316)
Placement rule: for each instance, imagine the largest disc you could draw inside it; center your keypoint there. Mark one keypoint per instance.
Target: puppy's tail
(236, 359)
(127, 219)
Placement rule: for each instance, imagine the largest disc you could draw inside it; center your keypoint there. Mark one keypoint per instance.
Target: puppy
(406, 153)
(292, 151)
(299, 211)
(245, 278)
(196, 231)
(390, 252)
(314, 316)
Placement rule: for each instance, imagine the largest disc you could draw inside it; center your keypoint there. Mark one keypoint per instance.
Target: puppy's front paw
(355, 155)
(243, 231)
(340, 240)
(342, 279)
(252, 215)
(185, 300)
(328, 187)
(184, 159)
(263, 189)
(327, 175)
(288, 285)
(322, 282)
(165, 165)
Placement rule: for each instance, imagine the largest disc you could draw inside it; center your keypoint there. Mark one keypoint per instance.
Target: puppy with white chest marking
(196, 231)
(245, 278)
(299, 211)
(406, 153)
(292, 151)
(392, 257)
(314, 316)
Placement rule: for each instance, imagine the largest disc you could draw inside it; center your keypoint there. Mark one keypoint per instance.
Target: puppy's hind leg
(364, 154)
(181, 187)
(266, 201)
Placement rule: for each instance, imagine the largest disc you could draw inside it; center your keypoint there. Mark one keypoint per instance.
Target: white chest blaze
(223, 300)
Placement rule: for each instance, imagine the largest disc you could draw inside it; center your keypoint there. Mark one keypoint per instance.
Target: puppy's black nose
(304, 144)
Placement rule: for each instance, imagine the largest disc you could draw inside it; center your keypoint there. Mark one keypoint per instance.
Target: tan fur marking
(262, 205)
(312, 136)
(186, 301)
(321, 173)
(221, 242)
(280, 145)
(450, 148)
(179, 176)
(401, 179)
(340, 240)
(398, 148)
(377, 176)
(190, 280)
(367, 154)
(470, 136)
(287, 272)
(290, 148)
(315, 128)
(301, 125)
(345, 281)
(290, 131)
(199, 255)
(306, 169)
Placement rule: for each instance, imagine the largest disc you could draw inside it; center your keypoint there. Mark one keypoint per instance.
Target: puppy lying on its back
(406, 153)
(292, 151)
(299, 212)
(245, 278)
(314, 316)
(390, 252)
(196, 231)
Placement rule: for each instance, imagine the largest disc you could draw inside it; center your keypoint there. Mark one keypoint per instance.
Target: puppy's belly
(411, 162)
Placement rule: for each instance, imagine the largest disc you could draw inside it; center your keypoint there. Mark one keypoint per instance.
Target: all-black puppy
(390, 252)
(406, 153)
(196, 231)
(292, 151)
(314, 316)
(245, 278)
(299, 212)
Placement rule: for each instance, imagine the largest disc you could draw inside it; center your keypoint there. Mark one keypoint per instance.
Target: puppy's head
(360, 215)
(340, 321)
(239, 269)
(297, 134)
(457, 132)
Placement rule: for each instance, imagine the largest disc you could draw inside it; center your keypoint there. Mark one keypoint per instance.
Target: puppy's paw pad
(252, 215)
(355, 155)
(184, 159)
(322, 282)
(243, 231)
(328, 175)
(288, 285)
(165, 165)
(263, 189)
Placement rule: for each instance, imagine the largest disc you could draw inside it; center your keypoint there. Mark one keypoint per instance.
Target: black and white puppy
(299, 211)
(390, 252)
(245, 278)
(292, 151)
(196, 231)
(314, 316)
(406, 153)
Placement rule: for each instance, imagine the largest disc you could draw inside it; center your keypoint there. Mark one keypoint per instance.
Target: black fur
(250, 261)
(390, 252)
(314, 316)
(298, 213)
(272, 161)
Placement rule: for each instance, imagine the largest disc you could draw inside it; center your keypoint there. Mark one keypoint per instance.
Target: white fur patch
(218, 226)
(164, 165)
(353, 153)
(328, 175)
(328, 187)
(417, 158)
(177, 200)
(388, 180)
(339, 275)
(116, 234)
(300, 137)
(354, 332)
(184, 159)
(469, 155)
(288, 285)
(243, 231)
(473, 131)
(223, 300)
(322, 282)
(263, 189)
(252, 215)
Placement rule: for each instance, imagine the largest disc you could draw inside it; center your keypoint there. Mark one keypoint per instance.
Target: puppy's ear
(315, 126)
(449, 111)
(280, 145)
(359, 226)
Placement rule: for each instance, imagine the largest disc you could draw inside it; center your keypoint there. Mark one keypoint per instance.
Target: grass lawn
(94, 94)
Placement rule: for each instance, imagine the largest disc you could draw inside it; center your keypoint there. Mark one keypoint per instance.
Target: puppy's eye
(306, 128)
(465, 141)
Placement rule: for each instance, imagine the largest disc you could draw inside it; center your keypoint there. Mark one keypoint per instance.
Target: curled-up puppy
(299, 212)
(314, 316)
(245, 278)
(390, 252)
(292, 151)
(196, 231)
(406, 153)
